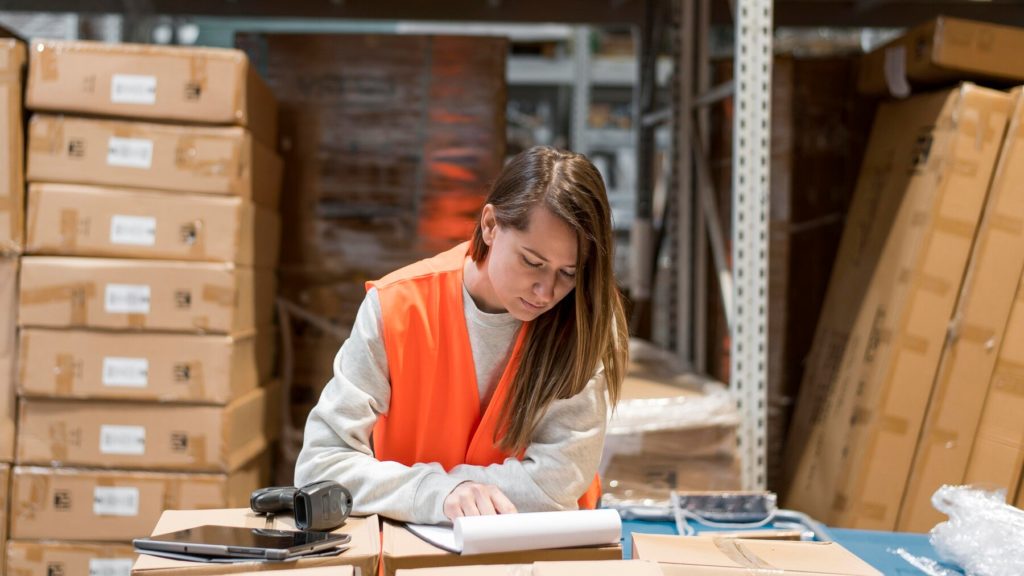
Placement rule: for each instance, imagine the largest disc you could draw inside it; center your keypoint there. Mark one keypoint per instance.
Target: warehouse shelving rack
(744, 282)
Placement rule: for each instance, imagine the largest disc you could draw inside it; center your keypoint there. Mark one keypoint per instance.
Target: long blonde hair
(565, 344)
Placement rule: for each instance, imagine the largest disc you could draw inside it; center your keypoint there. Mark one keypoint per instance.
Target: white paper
(115, 501)
(531, 531)
(129, 440)
(130, 152)
(133, 230)
(125, 372)
(126, 299)
(110, 566)
(132, 89)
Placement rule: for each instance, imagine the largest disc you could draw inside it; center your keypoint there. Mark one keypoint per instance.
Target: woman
(477, 381)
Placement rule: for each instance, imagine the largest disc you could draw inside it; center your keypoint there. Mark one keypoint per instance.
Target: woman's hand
(474, 499)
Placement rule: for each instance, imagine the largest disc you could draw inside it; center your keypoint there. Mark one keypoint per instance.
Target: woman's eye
(531, 264)
(569, 275)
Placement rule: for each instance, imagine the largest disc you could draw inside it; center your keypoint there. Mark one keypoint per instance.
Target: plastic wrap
(984, 535)
(672, 430)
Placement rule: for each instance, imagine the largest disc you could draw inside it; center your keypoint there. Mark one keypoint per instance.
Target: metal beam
(750, 196)
(839, 13)
(567, 11)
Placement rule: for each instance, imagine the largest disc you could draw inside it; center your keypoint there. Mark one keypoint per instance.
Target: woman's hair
(565, 344)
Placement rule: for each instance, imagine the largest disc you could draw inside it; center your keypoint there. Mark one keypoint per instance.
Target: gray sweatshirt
(556, 469)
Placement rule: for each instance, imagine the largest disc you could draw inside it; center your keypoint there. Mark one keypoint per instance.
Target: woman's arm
(562, 458)
(337, 444)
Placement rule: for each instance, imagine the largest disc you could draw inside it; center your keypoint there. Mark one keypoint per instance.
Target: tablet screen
(248, 537)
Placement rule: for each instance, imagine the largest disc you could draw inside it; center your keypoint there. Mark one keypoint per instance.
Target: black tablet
(234, 542)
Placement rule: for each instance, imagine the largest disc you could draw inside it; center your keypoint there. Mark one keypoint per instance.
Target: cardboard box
(74, 504)
(997, 456)
(143, 436)
(683, 555)
(672, 430)
(322, 571)
(186, 84)
(158, 367)
(901, 262)
(603, 568)
(944, 50)
(224, 161)
(5, 484)
(68, 559)
(12, 146)
(72, 220)
(364, 552)
(8, 354)
(402, 549)
(975, 338)
(1020, 496)
(144, 295)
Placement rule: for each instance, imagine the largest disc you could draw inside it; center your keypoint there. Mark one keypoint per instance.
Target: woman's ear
(488, 224)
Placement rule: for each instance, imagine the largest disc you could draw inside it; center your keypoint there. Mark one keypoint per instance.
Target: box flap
(776, 556)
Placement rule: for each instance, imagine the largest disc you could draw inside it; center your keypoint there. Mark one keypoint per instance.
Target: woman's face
(531, 270)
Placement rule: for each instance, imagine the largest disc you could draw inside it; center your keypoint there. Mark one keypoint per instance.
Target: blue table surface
(875, 548)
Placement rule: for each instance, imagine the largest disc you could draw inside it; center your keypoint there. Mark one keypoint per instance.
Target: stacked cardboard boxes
(914, 379)
(147, 299)
(387, 161)
(12, 193)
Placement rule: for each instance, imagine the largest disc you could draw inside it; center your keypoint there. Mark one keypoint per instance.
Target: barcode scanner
(320, 506)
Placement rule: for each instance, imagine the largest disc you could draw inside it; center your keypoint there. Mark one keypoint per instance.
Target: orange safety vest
(434, 415)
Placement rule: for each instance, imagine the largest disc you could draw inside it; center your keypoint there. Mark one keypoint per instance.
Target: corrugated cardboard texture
(12, 146)
(72, 220)
(998, 453)
(138, 436)
(208, 85)
(54, 558)
(938, 156)
(144, 295)
(402, 549)
(1020, 496)
(117, 506)
(8, 354)
(322, 571)
(205, 369)
(699, 556)
(946, 50)
(603, 568)
(224, 161)
(976, 336)
(5, 484)
(363, 553)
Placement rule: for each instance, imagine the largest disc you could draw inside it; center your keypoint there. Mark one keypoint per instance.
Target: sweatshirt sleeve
(337, 446)
(562, 458)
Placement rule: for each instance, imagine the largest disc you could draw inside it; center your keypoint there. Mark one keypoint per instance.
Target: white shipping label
(130, 440)
(120, 501)
(133, 230)
(132, 89)
(126, 299)
(125, 372)
(130, 152)
(110, 566)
